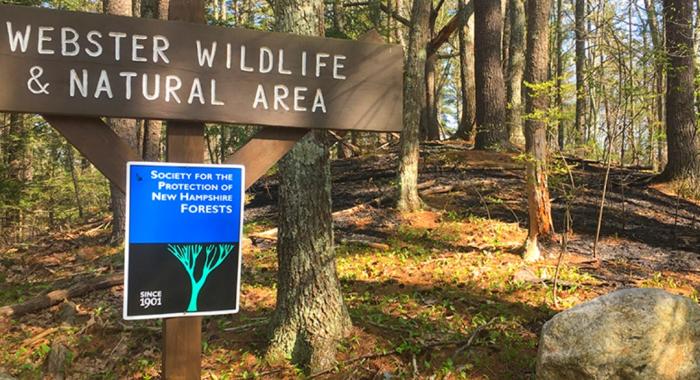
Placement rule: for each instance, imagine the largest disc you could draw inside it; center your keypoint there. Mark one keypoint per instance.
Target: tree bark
(310, 315)
(559, 36)
(466, 73)
(124, 128)
(18, 164)
(681, 135)
(414, 102)
(516, 65)
(490, 88)
(658, 121)
(339, 25)
(430, 127)
(339, 17)
(152, 136)
(580, 46)
(536, 103)
(118, 7)
(153, 129)
(505, 38)
(70, 162)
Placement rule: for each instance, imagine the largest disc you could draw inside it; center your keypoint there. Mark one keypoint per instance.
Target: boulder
(627, 335)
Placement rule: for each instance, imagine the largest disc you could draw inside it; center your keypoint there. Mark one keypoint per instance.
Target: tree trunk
(70, 158)
(124, 128)
(559, 36)
(540, 218)
(490, 89)
(310, 315)
(516, 65)
(118, 7)
(152, 136)
(430, 127)
(681, 136)
(657, 41)
(18, 164)
(153, 129)
(339, 17)
(398, 32)
(505, 38)
(414, 102)
(580, 32)
(466, 74)
(431, 130)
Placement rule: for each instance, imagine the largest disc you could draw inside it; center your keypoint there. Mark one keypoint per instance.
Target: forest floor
(440, 293)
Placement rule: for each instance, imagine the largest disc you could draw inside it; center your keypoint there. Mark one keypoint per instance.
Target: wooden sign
(70, 63)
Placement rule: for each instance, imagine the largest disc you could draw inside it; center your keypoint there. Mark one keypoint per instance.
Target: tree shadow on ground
(425, 323)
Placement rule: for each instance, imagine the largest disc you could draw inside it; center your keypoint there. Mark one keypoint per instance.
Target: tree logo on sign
(188, 254)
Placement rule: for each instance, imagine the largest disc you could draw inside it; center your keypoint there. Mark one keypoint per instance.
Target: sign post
(74, 68)
(182, 337)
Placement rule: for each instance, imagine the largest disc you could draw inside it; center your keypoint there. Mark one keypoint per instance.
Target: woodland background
(550, 154)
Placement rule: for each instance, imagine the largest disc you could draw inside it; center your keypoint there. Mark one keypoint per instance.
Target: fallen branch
(247, 326)
(472, 337)
(32, 340)
(437, 190)
(270, 234)
(57, 296)
(367, 243)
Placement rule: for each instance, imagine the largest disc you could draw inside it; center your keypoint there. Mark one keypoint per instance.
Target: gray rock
(4, 376)
(625, 335)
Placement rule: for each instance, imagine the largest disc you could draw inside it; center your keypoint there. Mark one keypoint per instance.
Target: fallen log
(57, 296)
(437, 190)
(365, 240)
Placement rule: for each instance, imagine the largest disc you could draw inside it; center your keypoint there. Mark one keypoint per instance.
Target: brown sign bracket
(91, 136)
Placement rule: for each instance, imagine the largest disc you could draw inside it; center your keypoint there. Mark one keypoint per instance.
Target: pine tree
(310, 315)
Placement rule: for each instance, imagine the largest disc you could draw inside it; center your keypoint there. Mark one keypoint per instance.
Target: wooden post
(182, 337)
